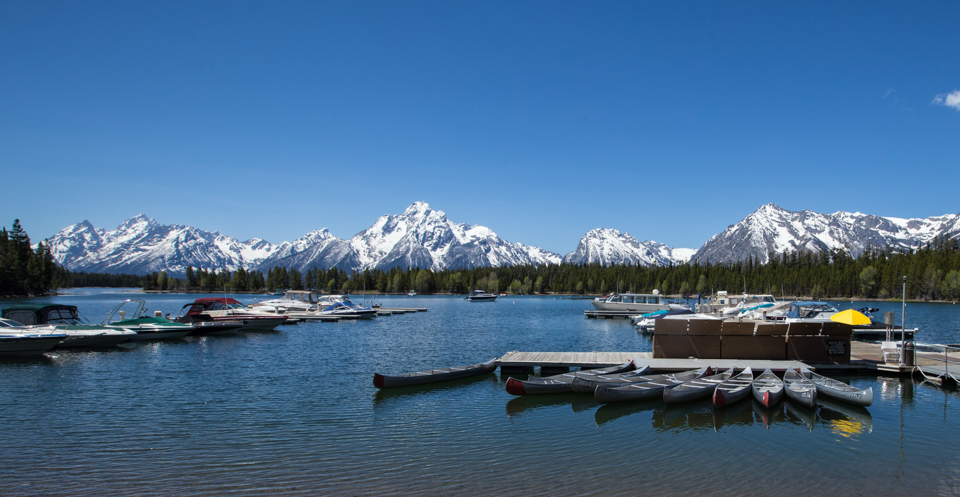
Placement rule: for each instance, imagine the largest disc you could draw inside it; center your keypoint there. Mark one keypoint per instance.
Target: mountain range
(425, 238)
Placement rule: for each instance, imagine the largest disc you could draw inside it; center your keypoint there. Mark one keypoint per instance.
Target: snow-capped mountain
(774, 229)
(141, 245)
(609, 247)
(420, 237)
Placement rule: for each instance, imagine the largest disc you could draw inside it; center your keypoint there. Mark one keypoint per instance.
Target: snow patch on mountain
(611, 247)
(772, 229)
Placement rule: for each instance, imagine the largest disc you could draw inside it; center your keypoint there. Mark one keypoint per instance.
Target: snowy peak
(610, 247)
(419, 237)
(772, 229)
(142, 245)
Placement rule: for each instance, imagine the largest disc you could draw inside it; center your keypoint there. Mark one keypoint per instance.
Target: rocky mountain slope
(609, 246)
(774, 229)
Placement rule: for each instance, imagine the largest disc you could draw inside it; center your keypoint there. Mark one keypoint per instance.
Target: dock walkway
(522, 361)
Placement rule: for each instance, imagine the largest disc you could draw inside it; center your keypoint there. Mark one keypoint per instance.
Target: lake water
(295, 412)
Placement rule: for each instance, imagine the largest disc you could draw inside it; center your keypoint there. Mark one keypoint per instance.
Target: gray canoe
(561, 383)
(799, 389)
(645, 390)
(838, 390)
(767, 388)
(734, 389)
(587, 384)
(697, 388)
(433, 375)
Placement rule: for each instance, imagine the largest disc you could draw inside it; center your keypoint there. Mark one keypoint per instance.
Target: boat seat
(891, 351)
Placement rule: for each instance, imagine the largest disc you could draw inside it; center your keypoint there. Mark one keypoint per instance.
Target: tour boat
(641, 303)
(481, 296)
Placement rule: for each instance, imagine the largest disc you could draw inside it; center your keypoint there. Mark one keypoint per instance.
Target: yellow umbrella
(851, 317)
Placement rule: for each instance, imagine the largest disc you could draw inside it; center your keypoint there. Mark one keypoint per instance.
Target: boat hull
(433, 375)
(839, 391)
(799, 389)
(767, 389)
(734, 389)
(27, 346)
(146, 335)
(103, 340)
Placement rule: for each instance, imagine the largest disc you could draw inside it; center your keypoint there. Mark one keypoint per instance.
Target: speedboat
(292, 301)
(205, 325)
(734, 305)
(641, 303)
(17, 339)
(67, 320)
(810, 312)
(645, 322)
(229, 309)
(340, 305)
(146, 327)
(481, 296)
(411, 293)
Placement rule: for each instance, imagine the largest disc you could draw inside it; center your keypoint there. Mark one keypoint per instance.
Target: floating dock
(610, 314)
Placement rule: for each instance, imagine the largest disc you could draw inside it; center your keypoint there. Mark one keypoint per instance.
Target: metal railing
(934, 360)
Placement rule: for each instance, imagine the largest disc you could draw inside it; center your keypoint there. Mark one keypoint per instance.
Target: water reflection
(610, 412)
(412, 391)
(844, 419)
(518, 405)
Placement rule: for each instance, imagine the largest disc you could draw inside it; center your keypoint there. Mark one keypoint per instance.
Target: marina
(294, 412)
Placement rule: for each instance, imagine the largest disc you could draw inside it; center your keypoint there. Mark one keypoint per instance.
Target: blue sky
(540, 120)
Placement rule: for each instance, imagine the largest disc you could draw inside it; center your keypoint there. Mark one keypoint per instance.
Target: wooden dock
(518, 362)
(610, 314)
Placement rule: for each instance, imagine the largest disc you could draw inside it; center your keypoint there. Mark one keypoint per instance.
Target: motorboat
(641, 303)
(342, 306)
(810, 312)
(646, 322)
(411, 293)
(732, 305)
(146, 327)
(291, 301)
(205, 325)
(229, 309)
(19, 340)
(66, 319)
(481, 296)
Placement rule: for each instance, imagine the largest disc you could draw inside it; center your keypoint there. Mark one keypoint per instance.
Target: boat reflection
(799, 414)
(736, 414)
(769, 416)
(844, 419)
(696, 415)
(386, 394)
(612, 411)
(518, 405)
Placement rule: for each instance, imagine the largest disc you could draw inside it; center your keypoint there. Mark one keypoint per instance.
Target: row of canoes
(726, 387)
(628, 383)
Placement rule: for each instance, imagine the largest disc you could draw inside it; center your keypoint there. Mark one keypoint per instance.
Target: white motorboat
(641, 303)
(67, 320)
(810, 312)
(411, 293)
(734, 305)
(481, 296)
(292, 301)
(17, 339)
(229, 309)
(146, 327)
(342, 306)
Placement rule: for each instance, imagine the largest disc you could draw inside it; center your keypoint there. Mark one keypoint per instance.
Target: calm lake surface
(295, 412)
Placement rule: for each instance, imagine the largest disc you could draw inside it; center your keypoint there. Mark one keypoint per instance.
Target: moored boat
(799, 389)
(229, 309)
(838, 390)
(19, 340)
(481, 296)
(433, 375)
(767, 388)
(647, 389)
(697, 388)
(561, 383)
(640, 303)
(587, 384)
(734, 389)
(145, 327)
(66, 319)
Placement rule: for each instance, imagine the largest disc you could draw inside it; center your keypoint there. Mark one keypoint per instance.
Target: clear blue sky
(540, 120)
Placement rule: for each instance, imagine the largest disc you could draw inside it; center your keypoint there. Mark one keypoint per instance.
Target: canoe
(838, 390)
(561, 383)
(734, 389)
(433, 375)
(767, 388)
(799, 389)
(587, 384)
(697, 388)
(645, 389)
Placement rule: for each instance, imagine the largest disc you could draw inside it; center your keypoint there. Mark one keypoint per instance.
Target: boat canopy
(799, 310)
(29, 314)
